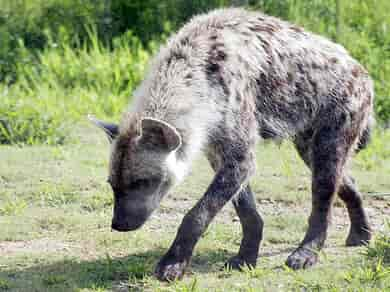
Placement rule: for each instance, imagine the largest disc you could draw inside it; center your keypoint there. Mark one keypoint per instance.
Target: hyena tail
(365, 136)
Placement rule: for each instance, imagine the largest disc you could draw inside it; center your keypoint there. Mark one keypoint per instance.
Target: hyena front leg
(360, 231)
(234, 172)
(330, 147)
(252, 230)
(251, 224)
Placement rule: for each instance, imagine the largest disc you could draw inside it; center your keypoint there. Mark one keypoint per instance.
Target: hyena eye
(144, 183)
(139, 183)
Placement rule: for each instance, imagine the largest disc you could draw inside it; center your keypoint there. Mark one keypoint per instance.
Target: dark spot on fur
(266, 46)
(350, 87)
(356, 71)
(238, 97)
(326, 67)
(217, 57)
(221, 56)
(281, 56)
(212, 68)
(213, 37)
(184, 42)
(267, 27)
(333, 60)
(174, 56)
(267, 133)
(299, 89)
(315, 66)
(296, 29)
(300, 68)
(314, 86)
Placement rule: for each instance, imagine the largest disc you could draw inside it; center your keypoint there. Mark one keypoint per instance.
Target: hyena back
(223, 81)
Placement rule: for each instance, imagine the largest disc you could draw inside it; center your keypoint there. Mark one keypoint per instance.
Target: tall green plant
(65, 84)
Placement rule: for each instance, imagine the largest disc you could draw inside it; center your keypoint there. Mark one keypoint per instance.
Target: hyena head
(142, 168)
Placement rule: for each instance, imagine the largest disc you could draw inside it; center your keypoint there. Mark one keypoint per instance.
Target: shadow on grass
(72, 274)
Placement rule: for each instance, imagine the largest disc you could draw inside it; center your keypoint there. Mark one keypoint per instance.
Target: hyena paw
(170, 268)
(356, 238)
(302, 258)
(238, 263)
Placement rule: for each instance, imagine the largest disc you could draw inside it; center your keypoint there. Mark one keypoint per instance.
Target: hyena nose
(115, 225)
(123, 226)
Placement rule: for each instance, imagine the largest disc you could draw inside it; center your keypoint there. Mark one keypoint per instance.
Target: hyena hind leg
(326, 155)
(360, 231)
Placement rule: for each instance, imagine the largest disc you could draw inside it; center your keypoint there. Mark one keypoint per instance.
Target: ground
(56, 207)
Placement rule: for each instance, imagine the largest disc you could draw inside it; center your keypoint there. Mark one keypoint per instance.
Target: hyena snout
(128, 215)
(124, 226)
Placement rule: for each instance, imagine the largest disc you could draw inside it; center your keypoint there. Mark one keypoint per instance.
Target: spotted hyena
(225, 80)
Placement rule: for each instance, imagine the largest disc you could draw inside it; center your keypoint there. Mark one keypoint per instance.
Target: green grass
(55, 225)
(380, 250)
(55, 207)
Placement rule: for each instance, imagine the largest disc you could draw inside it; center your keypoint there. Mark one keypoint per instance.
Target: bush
(366, 35)
(26, 122)
(54, 68)
(29, 21)
(65, 84)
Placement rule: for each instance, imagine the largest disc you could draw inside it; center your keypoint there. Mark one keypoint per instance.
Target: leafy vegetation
(378, 151)
(60, 59)
(67, 83)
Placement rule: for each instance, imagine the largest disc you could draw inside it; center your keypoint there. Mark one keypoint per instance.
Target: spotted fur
(228, 79)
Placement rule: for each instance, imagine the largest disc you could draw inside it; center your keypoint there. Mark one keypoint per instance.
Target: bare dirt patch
(42, 245)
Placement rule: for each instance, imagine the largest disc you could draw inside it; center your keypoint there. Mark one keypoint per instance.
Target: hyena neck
(180, 161)
(179, 94)
(178, 167)
(188, 123)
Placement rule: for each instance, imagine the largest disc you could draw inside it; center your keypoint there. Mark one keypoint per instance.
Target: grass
(56, 210)
(55, 207)
(380, 251)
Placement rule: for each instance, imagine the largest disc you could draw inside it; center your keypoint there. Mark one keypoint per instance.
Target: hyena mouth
(126, 226)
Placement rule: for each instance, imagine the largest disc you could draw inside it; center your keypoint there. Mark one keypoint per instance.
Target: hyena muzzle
(224, 81)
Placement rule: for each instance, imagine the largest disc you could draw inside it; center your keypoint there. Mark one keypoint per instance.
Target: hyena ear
(110, 129)
(160, 134)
